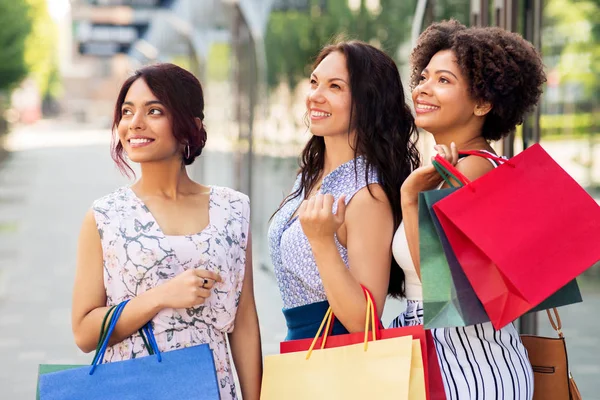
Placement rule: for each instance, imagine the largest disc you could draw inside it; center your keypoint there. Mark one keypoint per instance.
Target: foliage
(294, 38)
(16, 25)
(40, 48)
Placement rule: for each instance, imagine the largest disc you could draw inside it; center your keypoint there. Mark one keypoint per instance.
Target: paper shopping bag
(521, 232)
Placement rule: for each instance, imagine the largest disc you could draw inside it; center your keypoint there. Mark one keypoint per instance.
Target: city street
(50, 180)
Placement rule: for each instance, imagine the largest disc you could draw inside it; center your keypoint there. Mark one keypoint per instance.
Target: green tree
(15, 23)
(294, 38)
(40, 48)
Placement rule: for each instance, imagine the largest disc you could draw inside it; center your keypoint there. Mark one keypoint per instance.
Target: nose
(423, 87)
(315, 95)
(137, 121)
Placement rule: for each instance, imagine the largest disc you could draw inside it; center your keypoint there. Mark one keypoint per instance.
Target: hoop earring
(187, 151)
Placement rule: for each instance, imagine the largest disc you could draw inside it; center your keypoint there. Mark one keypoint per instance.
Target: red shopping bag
(521, 232)
(433, 377)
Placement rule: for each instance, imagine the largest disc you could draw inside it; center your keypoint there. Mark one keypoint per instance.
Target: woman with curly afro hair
(471, 86)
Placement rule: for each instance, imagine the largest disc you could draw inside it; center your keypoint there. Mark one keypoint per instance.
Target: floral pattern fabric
(138, 256)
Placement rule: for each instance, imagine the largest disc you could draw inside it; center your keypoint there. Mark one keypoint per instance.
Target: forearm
(343, 291)
(410, 218)
(136, 314)
(247, 355)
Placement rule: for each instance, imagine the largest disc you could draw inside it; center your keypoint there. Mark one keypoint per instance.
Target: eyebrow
(146, 104)
(331, 80)
(439, 71)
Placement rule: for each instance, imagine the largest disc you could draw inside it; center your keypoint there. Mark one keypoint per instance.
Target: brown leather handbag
(548, 357)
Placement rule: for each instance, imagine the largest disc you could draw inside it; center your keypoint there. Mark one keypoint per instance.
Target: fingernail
(453, 144)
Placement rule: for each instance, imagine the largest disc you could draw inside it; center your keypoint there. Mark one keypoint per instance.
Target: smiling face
(145, 128)
(329, 100)
(442, 100)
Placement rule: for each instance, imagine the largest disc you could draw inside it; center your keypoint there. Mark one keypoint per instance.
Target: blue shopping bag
(187, 373)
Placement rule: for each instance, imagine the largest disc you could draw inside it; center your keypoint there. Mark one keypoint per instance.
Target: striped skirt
(478, 362)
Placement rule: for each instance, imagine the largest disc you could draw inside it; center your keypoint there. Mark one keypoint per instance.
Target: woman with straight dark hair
(333, 233)
(180, 251)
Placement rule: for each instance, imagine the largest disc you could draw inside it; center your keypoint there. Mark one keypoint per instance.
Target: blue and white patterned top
(295, 267)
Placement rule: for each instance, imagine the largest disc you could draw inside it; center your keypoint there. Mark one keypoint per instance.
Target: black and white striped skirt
(478, 362)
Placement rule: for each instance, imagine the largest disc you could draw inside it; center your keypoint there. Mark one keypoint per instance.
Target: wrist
(323, 244)
(408, 199)
(156, 298)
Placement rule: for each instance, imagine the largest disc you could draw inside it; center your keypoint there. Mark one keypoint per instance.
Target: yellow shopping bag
(377, 369)
(417, 373)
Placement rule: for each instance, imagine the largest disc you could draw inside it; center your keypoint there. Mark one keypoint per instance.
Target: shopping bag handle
(146, 330)
(104, 331)
(371, 321)
(447, 175)
(446, 169)
(488, 155)
(452, 170)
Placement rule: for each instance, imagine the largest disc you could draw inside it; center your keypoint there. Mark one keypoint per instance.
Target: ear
(199, 123)
(482, 109)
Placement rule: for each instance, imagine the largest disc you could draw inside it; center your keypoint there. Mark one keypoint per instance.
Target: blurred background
(62, 63)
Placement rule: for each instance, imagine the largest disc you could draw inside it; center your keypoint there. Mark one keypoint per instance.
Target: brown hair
(385, 130)
(181, 93)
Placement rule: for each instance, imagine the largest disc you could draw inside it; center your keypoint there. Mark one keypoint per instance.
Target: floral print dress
(138, 256)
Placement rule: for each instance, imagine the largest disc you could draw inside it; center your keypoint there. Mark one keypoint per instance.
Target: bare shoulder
(474, 167)
(89, 228)
(371, 197)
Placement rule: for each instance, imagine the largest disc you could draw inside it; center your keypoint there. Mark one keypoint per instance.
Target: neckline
(335, 171)
(294, 216)
(155, 222)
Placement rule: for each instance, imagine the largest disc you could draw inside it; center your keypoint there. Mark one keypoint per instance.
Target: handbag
(187, 373)
(548, 357)
(504, 243)
(381, 368)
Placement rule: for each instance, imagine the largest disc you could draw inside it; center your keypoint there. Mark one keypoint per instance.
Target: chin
(426, 126)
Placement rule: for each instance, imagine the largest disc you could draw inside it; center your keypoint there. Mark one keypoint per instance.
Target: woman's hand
(426, 177)
(317, 219)
(188, 289)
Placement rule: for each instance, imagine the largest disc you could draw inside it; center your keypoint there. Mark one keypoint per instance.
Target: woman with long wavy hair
(333, 233)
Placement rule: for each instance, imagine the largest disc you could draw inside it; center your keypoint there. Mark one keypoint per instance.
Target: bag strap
(556, 325)
(372, 323)
(446, 169)
(103, 332)
(486, 154)
(103, 345)
(446, 175)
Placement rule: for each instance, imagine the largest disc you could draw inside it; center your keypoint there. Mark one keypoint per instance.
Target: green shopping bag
(48, 368)
(448, 298)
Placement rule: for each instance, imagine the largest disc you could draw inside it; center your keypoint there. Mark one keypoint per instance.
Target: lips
(316, 115)
(423, 107)
(139, 141)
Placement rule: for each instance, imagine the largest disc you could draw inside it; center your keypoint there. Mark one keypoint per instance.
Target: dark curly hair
(502, 68)
(181, 93)
(386, 133)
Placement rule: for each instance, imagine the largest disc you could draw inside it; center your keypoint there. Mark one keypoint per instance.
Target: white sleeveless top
(401, 252)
